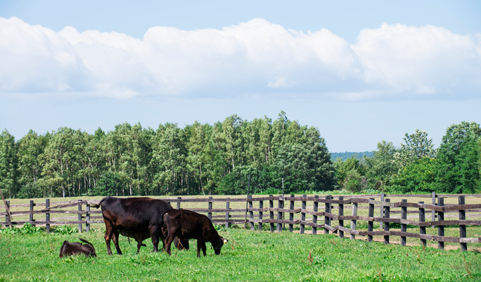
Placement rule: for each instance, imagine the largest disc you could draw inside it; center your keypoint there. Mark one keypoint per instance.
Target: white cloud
(393, 61)
(281, 82)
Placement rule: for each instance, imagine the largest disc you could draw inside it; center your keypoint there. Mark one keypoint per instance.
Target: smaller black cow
(69, 249)
(187, 224)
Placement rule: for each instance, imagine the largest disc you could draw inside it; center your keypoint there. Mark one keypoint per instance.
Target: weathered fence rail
(288, 208)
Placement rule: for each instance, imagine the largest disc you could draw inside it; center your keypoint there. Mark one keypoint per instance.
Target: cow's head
(219, 245)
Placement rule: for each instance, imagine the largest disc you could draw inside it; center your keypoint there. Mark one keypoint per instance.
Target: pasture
(248, 256)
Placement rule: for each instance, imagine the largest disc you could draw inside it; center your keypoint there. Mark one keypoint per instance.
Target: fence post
(7, 218)
(440, 227)
(279, 213)
(327, 209)
(382, 206)
(178, 202)
(303, 214)
(314, 217)
(462, 228)
(251, 213)
(404, 216)
(47, 216)
(387, 213)
(209, 212)
(227, 213)
(291, 214)
(370, 224)
(30, 218)
(341, 213)
(80, 216)
(261, 213)
(353, 222)
(271, 213)
(422, 218)
(433, 212)
(87, 225)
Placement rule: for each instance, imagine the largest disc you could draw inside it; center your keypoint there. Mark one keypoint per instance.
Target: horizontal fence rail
(294, 210)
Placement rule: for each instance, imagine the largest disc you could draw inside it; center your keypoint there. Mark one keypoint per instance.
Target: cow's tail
(86, 242)
(100, 203)
(162, 217)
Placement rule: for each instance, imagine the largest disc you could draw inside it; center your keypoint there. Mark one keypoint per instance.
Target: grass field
(248, 256)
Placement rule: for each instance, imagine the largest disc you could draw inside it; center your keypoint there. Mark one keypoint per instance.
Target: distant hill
(346, 155)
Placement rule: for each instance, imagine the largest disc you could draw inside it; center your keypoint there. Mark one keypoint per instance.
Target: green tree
(30, 147)
(306, 166)
(382, 167)
(8, 164)
(458, 169)
(196, 158)
(169, 157)
(109, 184)
(418, 176)
(354, 181)
(344, 167)
(60, 161)
(416, 147)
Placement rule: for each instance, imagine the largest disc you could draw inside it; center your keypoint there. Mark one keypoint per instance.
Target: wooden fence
(296, 215)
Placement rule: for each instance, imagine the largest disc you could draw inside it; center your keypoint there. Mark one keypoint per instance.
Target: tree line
(225, 157)
(416, 166)
(196, 159)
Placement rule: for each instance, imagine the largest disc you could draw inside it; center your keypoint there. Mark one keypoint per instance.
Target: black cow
(138, 218)
(69, 249)
(186, 224)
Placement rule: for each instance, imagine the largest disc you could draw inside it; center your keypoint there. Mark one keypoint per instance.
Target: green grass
(248, 256)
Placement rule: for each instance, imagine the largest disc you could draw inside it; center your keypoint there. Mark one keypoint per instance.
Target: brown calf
(69, 249)
(187, 224)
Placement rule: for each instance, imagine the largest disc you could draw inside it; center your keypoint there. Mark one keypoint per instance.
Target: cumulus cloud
(393, 61)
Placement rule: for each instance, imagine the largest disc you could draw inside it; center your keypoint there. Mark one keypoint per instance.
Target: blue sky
(360, 72)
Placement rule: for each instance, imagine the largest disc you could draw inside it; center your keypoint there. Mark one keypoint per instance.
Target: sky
(360, 71)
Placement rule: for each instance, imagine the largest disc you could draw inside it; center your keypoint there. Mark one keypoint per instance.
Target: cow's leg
(204, 248)
(165, 234)
(139, 244)
(168, 244)
(115, 238)
(200, 245)
(154, 233)
(108, 235)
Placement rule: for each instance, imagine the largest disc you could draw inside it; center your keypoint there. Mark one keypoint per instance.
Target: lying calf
(187, 224)
(69, 249)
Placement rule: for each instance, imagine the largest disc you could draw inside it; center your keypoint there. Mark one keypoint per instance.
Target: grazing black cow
(187, 224)
(138, 218)
(69, 249)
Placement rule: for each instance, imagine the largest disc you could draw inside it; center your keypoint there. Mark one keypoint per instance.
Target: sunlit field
(248, 256)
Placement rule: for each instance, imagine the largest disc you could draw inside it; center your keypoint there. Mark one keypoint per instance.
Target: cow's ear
(225, 240)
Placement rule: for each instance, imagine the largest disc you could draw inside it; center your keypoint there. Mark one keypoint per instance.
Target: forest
(225, 158)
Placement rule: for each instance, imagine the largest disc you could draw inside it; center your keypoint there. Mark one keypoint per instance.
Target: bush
(354, 181)
(64, 229)
(29, 191)
(27, 228)
(109, 184)
(270, 191)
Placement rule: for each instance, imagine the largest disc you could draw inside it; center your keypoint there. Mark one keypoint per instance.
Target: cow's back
(192, 225)
(134, 213)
